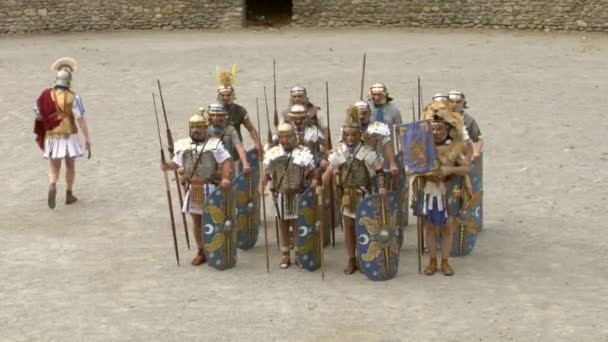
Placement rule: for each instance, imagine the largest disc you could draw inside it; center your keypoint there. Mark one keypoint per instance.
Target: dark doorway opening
(269, 12)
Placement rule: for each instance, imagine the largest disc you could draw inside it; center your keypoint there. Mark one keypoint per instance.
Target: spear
(419, 99)
(274, 197)
(257, 112)
(413, 111)
(330, 185)
(274, 85)
(362, 78)
(171, 153)
(163, 160)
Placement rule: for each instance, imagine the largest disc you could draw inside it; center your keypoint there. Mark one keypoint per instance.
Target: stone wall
(587, 15)
(20, 16)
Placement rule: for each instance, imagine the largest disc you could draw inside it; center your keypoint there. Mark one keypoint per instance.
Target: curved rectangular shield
(219, 231)
(308, 246)
(378, 236)
(466, 231)
(247, 209)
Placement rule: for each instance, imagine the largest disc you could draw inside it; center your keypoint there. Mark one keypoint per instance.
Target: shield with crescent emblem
(418, 148)
(308, 246)
(219, 231)
(378, 237)
(247, 204)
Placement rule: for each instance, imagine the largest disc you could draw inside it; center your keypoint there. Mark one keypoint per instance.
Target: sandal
(285, 262)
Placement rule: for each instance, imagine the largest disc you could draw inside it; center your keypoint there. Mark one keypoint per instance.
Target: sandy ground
(104, 268)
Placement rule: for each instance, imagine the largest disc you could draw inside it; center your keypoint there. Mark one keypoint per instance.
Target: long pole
(362, 78)
(330, 185)
(169, 202)
(170, 148)
(274, 86)
(274, 198)
(263, 198)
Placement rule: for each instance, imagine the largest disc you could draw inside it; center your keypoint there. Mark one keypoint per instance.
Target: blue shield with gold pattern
(247, 203)
(308, 250)
(466, 218)
(378, 237)
(219, 230)
(418, 148)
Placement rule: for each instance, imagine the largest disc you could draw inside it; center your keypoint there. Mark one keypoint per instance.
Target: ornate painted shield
(219, 231)
(308, 241)
(247, 209)
(418, 148)
(378, 236)
(248, 203)
(466, 231)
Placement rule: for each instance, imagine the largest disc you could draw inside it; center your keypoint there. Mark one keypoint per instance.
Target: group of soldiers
(359, 183)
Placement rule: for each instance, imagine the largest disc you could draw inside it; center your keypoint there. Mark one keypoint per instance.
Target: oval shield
(308, 250)
(219, 231)
(378, 236)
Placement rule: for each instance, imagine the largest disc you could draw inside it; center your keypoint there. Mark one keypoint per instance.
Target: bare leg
(351, 245)
(70, 174)
(55, 167)
(446, 246)
(431, 243)
(200, 257)
(54, 171)
(284, 238)
(447, 236)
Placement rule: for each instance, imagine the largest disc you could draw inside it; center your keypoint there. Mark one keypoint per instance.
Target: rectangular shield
(418, 148)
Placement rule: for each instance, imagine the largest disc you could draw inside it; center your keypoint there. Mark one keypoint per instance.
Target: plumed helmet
(64, 67)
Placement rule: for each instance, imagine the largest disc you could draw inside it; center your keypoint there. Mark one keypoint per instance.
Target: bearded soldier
(204, 164)
(59, 114)
(287, 165)
(237, 114)
(354, 163)
(385, 110)
(227, 134)
(298, 96)
(442, 200)
(459, 102)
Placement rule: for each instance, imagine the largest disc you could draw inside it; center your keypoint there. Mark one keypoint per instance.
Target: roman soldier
(59, 114)
(204, 163)
(237, 114)
(218, 128)
(459, 102)
(375, 134)
(307, 132)
(354, 163)
(298, 96)
(445, 191)
(287, 165)
(384, 109)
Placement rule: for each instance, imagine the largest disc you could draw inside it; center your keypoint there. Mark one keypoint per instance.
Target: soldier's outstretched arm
(243, 157)
(226, 172)
(254, 134)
